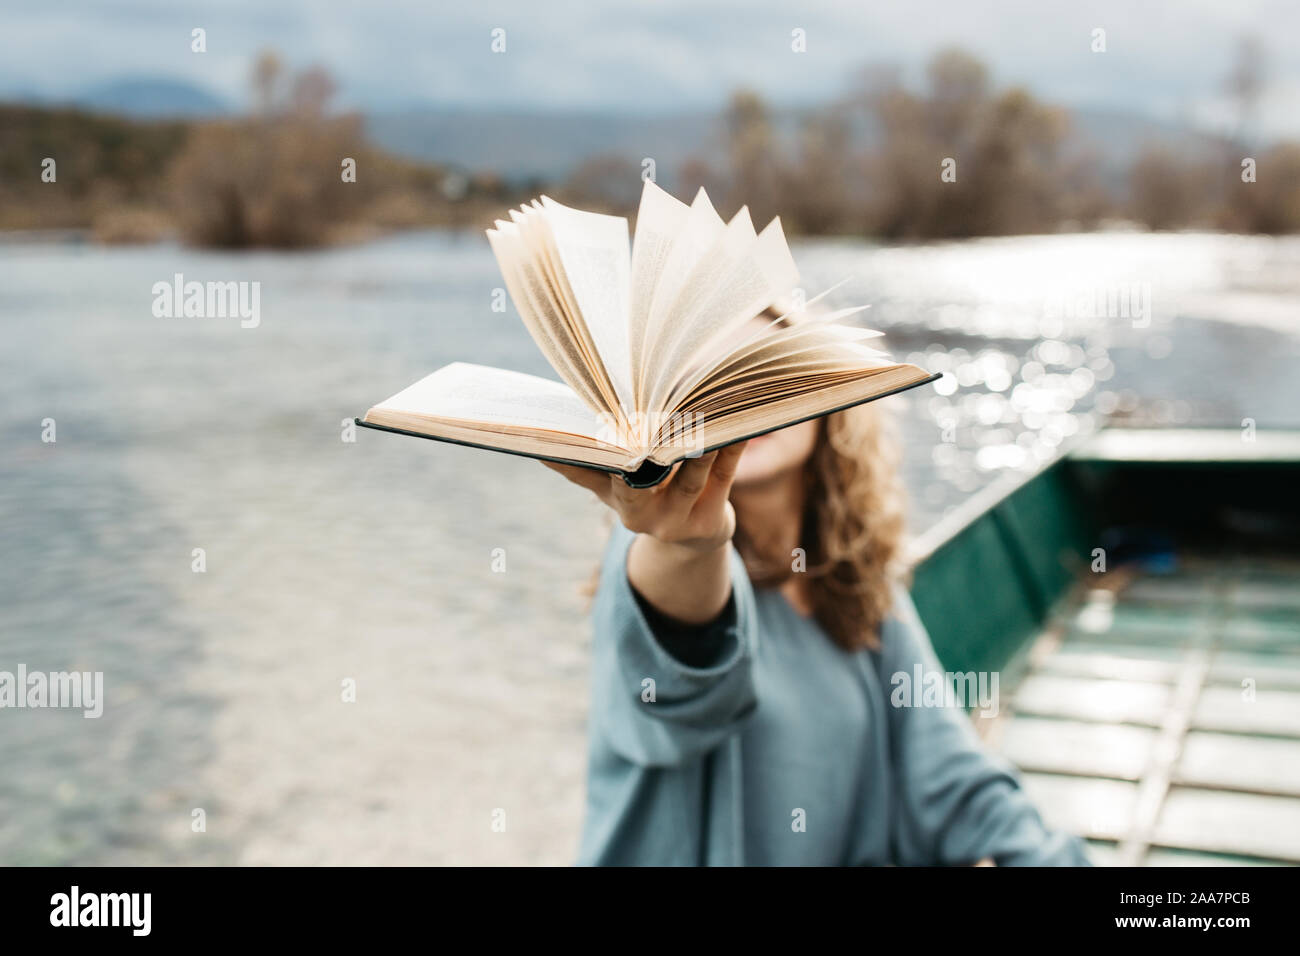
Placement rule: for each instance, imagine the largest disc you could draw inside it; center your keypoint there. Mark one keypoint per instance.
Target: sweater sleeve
(653, 708)
(959, 803)
(695, 645)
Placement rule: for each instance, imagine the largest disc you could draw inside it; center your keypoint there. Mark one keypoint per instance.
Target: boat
(1139, 600)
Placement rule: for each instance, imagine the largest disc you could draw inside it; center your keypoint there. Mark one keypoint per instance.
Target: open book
(686, 341)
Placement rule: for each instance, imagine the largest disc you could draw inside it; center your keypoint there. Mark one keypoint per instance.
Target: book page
(534, 442)
(596, 259)
(535, 300)
(764, 339)
(700, 231)
(659, 220)
(726, 427)
(538, 236)
(731, 285)
(760, 388)
(478, 393)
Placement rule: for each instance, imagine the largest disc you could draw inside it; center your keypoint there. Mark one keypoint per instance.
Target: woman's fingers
(721, 477)
(724, 469)
(691, 479)
(630, 503)
(691, 505)
(596, 482)
(651, 510)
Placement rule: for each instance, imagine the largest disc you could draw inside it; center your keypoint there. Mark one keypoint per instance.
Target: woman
(746, 625)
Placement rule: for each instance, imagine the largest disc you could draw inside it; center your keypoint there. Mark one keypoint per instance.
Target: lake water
(371, 561)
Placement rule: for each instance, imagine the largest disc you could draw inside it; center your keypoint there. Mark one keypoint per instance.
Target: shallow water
(372, 560)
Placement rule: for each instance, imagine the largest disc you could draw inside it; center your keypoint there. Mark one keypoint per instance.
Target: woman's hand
(684, 525)
(689, 508)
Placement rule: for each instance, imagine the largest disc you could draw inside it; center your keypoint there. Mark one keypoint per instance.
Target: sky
(1166, 60)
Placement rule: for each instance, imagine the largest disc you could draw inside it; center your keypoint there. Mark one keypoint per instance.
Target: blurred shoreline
(954, 157)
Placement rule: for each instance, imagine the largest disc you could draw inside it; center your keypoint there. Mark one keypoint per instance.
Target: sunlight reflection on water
(1046, 338)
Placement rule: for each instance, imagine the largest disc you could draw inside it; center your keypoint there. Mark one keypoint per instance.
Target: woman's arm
(662, 731)
(653, 703)
(684, 526)
(959, 803)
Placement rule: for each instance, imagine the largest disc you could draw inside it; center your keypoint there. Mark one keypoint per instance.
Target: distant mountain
(519, 145)
(152, 98)
(550, 146)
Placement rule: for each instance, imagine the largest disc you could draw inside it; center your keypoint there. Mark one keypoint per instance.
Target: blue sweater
(784, 749)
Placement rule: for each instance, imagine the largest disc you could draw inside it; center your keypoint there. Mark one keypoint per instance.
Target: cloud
(1165, 59)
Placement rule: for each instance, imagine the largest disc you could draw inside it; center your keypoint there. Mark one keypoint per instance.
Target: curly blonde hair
(852, 527)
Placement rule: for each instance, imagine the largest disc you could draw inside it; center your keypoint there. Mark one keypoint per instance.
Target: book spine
(647, 475)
